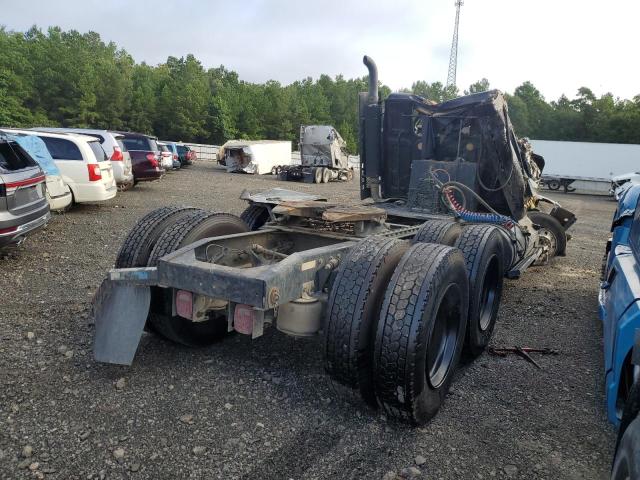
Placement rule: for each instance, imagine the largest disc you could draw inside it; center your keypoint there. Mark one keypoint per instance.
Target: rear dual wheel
(317, 175)
(420, 332)
(188, 230)
(444, 232)
(321, 175)
(482, 247)
(353, 309)
(395, 324)
(137, 245)
(163, 231)
(484, 251)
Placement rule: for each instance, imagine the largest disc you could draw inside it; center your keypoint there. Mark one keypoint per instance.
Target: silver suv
(23, 204)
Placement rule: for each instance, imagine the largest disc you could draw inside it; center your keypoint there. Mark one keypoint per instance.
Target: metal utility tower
(453, 57)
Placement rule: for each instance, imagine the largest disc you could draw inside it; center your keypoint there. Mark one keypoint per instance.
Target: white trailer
(585, 167)
(255, 156)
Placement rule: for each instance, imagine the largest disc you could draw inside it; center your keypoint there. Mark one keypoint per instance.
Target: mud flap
(120, 311)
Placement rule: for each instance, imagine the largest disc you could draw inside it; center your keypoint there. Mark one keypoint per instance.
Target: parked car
(166, 155)
(619, 305)
(58, 192)
(84, 165)
(173, 148)
(186, 154)
(117, 153)
(145, 156)
(23, 203)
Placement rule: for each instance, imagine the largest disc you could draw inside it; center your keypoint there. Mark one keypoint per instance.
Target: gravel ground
(263, 409)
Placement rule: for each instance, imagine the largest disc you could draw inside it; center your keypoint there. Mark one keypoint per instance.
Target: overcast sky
(559, 45)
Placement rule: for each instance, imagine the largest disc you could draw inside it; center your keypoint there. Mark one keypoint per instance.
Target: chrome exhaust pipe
(373, 79)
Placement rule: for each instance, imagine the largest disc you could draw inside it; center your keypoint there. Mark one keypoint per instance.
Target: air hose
(474, 217)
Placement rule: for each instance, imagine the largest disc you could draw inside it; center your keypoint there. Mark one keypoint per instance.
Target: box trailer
(255, 156)
(585, 167)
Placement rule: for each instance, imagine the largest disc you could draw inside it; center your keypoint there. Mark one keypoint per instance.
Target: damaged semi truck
(323, 157)
(397, 287)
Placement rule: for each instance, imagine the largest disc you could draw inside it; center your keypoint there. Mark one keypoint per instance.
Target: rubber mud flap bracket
(120, 311)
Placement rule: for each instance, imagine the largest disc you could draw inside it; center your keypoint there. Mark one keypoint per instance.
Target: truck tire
(255, 216)
(317, 175)
(326, 175)
(626, 463)
(551, 227)
(350, 175)
(482, 247)
(420, 332)
(444, 232)
(630, 411)
(553, 184)
(190, 229)
(139, 242)
(353, 309)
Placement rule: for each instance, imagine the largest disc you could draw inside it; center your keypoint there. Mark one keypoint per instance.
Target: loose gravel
(263, 409)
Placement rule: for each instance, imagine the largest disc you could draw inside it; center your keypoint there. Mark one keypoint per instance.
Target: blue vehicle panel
(38, 150)
(619, 299)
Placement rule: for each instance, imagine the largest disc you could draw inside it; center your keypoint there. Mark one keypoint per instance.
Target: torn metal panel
(473, 132)
(322, 146)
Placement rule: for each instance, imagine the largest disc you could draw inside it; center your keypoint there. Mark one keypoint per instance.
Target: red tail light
(152, 159)
(117, 156)
(175, 157)
(6, 188)
(4, 231)
(189, 155)
(94, 172)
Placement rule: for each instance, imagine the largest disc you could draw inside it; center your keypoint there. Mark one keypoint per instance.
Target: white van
(112, 144)
(84, 165)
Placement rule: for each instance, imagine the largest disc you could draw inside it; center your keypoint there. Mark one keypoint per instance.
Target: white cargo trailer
(255, 156)
(585, 167)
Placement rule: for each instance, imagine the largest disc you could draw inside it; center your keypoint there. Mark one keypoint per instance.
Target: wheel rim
(318, 175)
(442, 344)
(489, 292)
(551, 239)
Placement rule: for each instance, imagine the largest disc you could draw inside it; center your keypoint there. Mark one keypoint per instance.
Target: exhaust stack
(373, 79)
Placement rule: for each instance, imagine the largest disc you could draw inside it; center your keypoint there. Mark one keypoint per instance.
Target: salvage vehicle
(186, 154)
(619, 308)
(83, 163)
(58, 192)
(167, 157)
(112, 144)
(23, 204)
(173, 148)
(254, 156)
(620, 182)
(398, 285)
(323, 157)
(145, 156)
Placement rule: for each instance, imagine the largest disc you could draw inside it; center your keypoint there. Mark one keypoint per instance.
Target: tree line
(73, 79)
